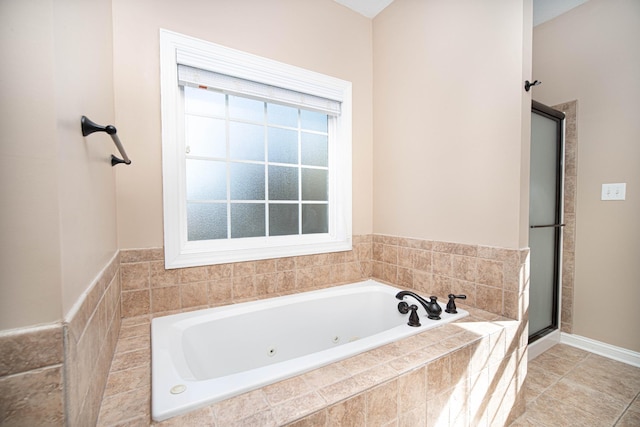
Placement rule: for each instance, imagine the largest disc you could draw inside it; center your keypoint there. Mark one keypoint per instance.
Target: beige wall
(58, 217)
(592, 54)
(319, 35)
(451, 120)
(449, 129)
(84, 86)
(30, 287)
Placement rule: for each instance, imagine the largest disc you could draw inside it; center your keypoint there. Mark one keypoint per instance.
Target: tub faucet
(432, 307)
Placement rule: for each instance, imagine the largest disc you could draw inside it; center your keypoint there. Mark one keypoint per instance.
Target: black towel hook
(89, 127)
(528, 85)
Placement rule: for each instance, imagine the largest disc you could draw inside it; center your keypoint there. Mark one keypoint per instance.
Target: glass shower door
(545, 216)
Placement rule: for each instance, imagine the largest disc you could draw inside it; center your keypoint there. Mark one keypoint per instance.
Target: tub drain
(177, 389)
(336, 339)
(272, 352)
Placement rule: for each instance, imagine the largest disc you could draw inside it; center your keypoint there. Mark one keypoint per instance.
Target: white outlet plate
(616, 191)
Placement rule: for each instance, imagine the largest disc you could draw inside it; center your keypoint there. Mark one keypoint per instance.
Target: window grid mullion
(299, 172)
(266, 171)
(300, 202)
(228, 163)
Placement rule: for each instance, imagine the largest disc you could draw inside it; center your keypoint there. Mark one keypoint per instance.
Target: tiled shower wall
(490, 277)
(569, 208)
(55, 375)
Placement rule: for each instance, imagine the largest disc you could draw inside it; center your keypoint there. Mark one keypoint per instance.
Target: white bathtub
(210, 355)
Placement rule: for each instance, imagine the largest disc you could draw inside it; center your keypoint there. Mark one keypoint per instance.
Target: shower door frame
(559, 118)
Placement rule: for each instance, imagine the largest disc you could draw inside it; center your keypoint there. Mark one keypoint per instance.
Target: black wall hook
(89, 127)
(527, 84)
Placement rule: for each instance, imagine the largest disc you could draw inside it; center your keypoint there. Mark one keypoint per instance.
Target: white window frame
(179, 252)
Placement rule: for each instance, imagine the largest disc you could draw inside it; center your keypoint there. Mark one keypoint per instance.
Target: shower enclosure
(545, 219)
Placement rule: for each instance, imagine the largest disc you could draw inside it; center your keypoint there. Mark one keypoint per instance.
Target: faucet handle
(414, 320)
(403, 307)
(451, 305)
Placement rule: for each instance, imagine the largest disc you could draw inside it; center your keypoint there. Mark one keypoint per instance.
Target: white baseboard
(607, 350)
(543, 344)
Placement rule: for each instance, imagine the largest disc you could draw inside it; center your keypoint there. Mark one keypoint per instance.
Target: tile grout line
(637, 396)
(546, 389)
(577, 364)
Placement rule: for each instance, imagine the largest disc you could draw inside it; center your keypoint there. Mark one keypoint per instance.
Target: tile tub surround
(148, 288)
(465, 373)
(31, 376)
(494, 279)
(55, 375)
(90, 341)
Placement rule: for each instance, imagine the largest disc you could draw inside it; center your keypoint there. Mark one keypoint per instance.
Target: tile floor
(565, 386)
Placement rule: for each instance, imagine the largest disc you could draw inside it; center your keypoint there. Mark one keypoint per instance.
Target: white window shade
(196, 77)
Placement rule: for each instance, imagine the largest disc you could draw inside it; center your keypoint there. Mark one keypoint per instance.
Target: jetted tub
(209, 355)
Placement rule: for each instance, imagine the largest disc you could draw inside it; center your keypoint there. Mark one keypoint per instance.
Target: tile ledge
(31, 329)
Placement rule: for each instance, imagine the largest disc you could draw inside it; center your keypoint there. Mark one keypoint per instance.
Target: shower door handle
(547, 226)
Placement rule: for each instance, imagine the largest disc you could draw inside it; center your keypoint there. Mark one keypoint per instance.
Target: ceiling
(546, 10)
(543, 10)
(368, 8)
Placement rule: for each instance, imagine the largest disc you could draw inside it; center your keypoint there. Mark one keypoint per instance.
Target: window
(256, 156)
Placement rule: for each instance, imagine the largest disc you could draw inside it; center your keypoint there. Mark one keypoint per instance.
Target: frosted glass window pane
(247, 181)
(203, 101)
(283, 183)
(283, 220)
(205, 137)
(247, 220)
(310, 120)
(246, 109)
(282, 115)
(315, 149)
(206, 180)
(246, 141)
(206, 221)
(315, 219)
(315, 185)
(283, 146)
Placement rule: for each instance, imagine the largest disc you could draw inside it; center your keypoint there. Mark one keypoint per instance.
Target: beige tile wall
(475, 384)
(91, 337)
(474, 377)
(147, 288)
(55, 375)
(493, 279)
(569, 231)
(466, 373)
(35, 362)
(31, 377)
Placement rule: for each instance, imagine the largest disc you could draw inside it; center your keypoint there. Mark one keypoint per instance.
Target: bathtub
(209, 355)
